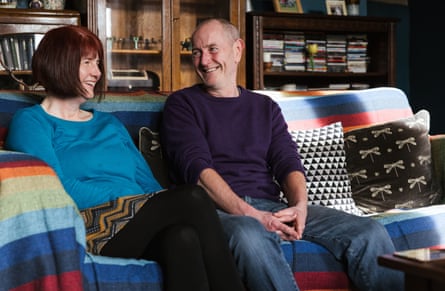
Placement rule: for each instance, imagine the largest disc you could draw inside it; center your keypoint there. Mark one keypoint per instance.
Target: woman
(102, 170)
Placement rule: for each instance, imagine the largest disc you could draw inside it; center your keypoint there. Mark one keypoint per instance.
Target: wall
(400, 12)
(426, 62)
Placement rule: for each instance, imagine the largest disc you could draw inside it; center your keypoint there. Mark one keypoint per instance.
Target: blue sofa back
(134, 109)
(302, 110)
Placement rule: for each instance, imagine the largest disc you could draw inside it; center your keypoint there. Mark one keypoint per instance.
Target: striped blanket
(42, 246)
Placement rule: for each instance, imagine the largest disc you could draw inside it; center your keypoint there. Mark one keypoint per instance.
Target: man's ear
(238, 47)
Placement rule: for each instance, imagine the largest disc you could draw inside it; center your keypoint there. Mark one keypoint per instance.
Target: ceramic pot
(54, 4)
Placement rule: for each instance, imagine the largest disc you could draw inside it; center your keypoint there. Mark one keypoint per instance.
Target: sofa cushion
(150, 148)
(133, 109)
(10, 102)
(390, 164)
(323, 156)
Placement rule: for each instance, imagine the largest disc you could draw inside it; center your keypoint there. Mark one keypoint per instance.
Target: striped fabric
(38, 246)
(40, 225)
(42, 242)
(135, 110)
(104, 221)
(353, 108)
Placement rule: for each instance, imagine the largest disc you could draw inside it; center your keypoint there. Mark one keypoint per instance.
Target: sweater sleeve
(186, 159)
(283, 153)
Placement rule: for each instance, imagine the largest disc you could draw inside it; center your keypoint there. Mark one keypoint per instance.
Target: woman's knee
(181, 235)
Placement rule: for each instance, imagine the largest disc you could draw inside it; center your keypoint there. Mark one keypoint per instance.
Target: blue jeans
(356, 241)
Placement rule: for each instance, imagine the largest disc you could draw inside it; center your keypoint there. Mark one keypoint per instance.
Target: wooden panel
(35, 21)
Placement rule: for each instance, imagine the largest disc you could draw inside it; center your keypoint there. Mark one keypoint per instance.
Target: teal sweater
(96, 160)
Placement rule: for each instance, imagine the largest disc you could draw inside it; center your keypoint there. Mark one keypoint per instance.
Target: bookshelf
(367, 44)
(26, 24)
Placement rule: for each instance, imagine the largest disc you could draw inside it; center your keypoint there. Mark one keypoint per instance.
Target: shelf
(379, 59)
(324, 74)
(19, 22)
(136, 52)
(3, 72)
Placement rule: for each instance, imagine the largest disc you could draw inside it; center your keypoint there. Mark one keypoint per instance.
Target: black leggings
(179, 228)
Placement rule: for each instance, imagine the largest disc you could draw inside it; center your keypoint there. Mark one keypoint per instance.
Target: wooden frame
(288, 6)
(336, 7)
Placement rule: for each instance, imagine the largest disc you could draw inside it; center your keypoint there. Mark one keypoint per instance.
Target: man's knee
(247, 234)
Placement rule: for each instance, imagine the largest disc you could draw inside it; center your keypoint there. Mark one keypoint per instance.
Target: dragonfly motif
(406, 142)
(417, 181)
(394, 166)
(359, 174)
(383, 132)
(382, 191)
(370, 152)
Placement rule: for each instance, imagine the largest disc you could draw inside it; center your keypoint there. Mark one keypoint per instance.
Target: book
(23, 57)
(2, 60)
(7, 54)
(29, 50)
(423, 254)
(14, 45)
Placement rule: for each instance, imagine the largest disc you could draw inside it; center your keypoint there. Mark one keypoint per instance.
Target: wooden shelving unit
(168, 22)
(380, 33)
(30, 21)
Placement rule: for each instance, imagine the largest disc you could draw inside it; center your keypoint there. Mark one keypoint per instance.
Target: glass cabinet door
(148, 41)
(133, 35)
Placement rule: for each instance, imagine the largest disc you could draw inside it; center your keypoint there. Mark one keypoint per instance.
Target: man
(235, 144)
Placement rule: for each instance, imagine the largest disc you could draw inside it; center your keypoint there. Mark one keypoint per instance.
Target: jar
(8, 3)
(353, 7)
(54, 4)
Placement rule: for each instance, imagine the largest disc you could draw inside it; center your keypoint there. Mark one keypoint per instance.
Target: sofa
(43, 241)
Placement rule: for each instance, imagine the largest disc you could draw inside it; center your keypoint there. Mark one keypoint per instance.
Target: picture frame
(288, 6)
(336, 7)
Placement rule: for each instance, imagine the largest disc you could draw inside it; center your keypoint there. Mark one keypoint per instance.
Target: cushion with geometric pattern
(323, 157)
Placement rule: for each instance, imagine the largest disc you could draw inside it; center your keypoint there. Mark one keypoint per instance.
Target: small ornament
(35, 4)
(186, 44)
(312, 50)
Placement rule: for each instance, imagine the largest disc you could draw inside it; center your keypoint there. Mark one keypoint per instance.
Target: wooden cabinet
(147, 35)
(28, 22)
(380, 34)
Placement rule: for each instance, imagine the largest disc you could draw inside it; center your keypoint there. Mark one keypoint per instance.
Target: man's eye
(196, 54)
(213, 49)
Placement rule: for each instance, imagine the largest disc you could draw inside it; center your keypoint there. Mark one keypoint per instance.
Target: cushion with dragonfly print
(389, 165)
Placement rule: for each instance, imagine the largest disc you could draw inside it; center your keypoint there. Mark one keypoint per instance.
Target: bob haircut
(56, 62)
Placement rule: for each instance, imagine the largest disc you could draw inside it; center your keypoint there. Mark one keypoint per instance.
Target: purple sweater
(245, 139)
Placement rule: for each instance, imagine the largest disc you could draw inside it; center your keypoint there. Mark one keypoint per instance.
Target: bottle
(353, 7)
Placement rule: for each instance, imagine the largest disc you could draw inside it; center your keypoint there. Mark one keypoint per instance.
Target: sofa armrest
(43, 243)
(42, 233)
(438, 159)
